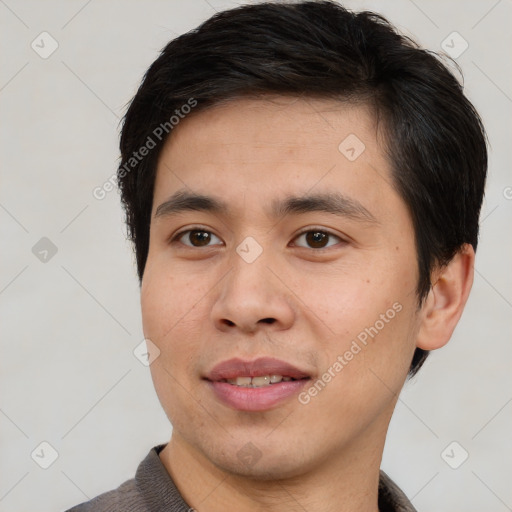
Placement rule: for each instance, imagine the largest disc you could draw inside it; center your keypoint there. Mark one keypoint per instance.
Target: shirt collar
(160, 493)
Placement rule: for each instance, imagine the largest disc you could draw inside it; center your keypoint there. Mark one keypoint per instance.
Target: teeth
(258, 382)
(242, 381)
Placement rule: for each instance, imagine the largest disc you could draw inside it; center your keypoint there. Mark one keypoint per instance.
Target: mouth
(258, 385)
(258, 382)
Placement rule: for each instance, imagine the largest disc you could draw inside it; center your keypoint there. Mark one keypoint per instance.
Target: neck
(346, 482)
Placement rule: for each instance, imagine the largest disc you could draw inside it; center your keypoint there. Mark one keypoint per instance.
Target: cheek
(366, 368)
(369, 309)
(170, 321)
(173, 317)
(168, 299)
(353, 294)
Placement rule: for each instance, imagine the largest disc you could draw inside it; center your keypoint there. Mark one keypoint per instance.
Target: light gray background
(70, 324)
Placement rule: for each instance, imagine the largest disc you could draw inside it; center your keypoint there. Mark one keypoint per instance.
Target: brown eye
(196, 238)
(199, 238)
(316, 239)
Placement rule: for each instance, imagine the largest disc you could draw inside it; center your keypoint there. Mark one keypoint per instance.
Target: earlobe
(446, 299)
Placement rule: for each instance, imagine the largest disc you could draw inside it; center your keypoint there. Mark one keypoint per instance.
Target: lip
(233, 368)
(255, 399)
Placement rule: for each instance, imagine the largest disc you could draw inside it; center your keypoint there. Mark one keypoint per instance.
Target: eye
(195, 238)
(318, 239)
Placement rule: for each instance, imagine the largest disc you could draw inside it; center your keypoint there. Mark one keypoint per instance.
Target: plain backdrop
(69, 295)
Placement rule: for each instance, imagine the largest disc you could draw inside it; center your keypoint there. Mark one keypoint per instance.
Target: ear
(446, 299)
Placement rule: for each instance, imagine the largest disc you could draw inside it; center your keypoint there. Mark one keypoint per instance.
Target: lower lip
(256, 399)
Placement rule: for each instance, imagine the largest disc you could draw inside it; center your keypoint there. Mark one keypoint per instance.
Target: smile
(257, 382)
(255, 386)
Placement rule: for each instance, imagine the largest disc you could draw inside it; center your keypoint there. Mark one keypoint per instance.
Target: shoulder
(126, 497)
(391, 497)
(151, 489)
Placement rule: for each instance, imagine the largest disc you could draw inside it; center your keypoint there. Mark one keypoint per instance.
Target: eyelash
(176, 238)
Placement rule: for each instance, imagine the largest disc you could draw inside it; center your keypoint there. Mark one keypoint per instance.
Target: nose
(253, 297)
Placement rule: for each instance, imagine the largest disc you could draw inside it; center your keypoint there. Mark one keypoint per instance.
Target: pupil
(202, 237)
(316, 238)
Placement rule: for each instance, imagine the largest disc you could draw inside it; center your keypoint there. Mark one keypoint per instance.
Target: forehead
(259, 149)
(287, 125)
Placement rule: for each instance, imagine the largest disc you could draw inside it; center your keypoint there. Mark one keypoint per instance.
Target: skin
(205, 304)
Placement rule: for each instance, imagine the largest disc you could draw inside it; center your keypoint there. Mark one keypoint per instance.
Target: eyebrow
(335, 203)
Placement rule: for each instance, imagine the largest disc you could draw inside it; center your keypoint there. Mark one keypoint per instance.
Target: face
(283, 300)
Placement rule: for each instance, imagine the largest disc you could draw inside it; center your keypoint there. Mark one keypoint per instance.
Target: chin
(249, 462)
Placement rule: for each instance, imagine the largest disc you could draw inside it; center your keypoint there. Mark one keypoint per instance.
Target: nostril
(268, 320)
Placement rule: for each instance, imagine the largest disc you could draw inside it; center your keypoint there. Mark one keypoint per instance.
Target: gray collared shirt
(152, 490)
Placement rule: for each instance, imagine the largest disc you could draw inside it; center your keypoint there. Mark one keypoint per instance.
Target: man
(302, 186)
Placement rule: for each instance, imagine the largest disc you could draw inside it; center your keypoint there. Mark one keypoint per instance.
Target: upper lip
(233, 368)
